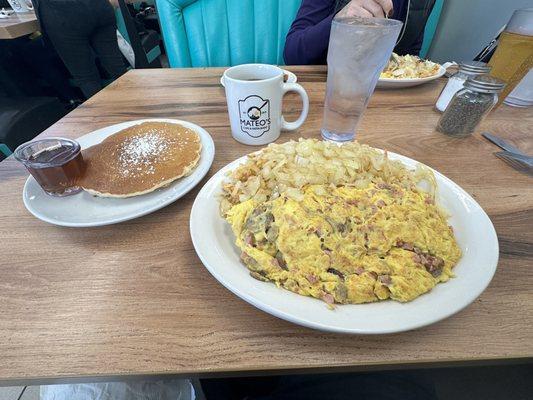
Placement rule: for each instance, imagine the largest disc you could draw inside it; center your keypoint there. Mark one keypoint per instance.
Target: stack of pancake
(140, 159)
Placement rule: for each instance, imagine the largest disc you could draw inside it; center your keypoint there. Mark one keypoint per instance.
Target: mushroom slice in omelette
(347, 244)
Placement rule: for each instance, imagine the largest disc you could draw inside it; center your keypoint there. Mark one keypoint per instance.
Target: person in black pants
(80, 30)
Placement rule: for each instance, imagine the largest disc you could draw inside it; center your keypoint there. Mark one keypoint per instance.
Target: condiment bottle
(456, 81)
(470, 105)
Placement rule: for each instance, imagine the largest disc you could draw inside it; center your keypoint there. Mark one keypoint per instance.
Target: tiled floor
(11, 393)
(19, 393)
(31, 393)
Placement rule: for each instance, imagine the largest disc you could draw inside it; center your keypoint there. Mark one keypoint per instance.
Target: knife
(503, 144)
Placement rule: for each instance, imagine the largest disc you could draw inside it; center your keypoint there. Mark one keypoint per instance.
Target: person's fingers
(374, 8)
(386, 5)
(355, 10)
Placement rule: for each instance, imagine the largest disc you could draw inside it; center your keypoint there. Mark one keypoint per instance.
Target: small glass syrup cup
(55, 163)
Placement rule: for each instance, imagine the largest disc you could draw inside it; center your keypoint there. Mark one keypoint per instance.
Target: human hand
(367, 8)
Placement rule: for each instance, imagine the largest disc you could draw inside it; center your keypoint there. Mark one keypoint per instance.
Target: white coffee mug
(254, 93)
(21, 6)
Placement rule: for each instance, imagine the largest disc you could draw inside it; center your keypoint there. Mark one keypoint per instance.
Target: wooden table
(17, 25)
(134, 299)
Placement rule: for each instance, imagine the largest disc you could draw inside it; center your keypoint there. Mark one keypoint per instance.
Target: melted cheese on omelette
(348, 244)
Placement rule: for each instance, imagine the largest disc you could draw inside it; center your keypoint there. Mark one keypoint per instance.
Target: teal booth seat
(216, 33)
(431, 27)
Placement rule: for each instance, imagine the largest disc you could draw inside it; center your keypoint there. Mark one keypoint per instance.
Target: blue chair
(217, 33)
(4, 151)
(431, 27)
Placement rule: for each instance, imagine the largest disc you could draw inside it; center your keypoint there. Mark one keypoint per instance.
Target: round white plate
(291, 77)
(214, 242)
(398, 83)
(83, 209)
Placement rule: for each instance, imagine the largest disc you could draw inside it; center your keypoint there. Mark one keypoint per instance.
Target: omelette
(347, 244)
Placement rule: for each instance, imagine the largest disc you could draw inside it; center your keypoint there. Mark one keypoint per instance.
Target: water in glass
(358, 50)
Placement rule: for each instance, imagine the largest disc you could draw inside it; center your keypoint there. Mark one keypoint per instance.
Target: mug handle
(294, 87)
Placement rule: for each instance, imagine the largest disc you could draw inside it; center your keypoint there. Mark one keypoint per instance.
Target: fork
(498, 141)
(517, 161)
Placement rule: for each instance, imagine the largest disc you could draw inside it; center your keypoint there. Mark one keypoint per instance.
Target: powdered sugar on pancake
(140, 151)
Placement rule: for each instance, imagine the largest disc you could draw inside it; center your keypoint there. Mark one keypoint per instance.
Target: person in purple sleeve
(308, 37)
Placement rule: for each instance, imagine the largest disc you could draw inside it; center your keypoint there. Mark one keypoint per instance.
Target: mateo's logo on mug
(254, 112)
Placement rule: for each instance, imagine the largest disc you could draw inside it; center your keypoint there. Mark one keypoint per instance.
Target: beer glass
(513, 57)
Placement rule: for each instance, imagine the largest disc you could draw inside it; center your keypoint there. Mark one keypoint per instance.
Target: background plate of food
(343, 238)
(406, 71)
(132, 169)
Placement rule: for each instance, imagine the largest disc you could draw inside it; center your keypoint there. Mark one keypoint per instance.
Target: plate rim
(468, 298)
(207, 144)
(439, 74)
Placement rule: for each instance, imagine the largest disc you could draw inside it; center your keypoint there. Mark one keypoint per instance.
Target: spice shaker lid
(478, 67)
(484, 83)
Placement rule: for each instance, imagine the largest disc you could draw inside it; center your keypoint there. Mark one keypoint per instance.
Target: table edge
(251, 372)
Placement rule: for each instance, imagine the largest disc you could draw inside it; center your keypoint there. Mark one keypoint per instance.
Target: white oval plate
(398, 83)
(214, 243)
(83, 209)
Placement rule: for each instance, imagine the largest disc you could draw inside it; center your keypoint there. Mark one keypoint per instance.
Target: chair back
(431, 27)
(215, 33)
(144, 58)
(4, 151)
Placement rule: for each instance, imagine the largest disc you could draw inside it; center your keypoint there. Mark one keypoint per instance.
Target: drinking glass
(358, 50)
(513, 57)
(522, 94)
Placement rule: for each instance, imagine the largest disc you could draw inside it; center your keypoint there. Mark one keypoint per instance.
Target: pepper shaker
(470, 105)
